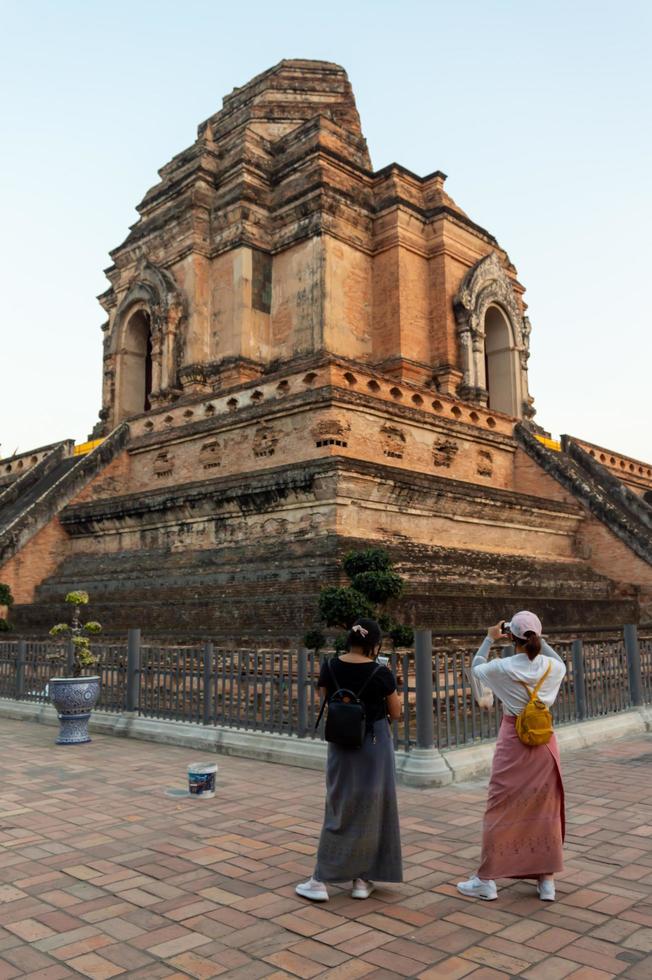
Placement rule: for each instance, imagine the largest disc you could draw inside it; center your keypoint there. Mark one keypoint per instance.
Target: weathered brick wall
(38, 559)
(109, 482)
(611, 557)
(532, 479)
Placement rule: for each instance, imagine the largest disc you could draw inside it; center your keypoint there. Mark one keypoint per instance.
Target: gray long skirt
(360, 837)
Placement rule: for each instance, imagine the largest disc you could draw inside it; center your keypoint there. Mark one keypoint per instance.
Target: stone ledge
(422, 768)
(474, 761)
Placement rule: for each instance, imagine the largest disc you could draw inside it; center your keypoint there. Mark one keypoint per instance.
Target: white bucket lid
(202, 768)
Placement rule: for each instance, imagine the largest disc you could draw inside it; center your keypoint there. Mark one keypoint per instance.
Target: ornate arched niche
(144, 336)
(494, 339)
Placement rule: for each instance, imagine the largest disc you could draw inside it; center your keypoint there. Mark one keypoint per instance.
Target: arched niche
(135, 374)
(493, 337)
(501, 363)
(144, 338)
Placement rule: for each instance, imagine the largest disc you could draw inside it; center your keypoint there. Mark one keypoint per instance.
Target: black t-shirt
(353, 676)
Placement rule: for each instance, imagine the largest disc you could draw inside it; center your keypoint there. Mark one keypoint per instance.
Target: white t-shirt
(502, 676)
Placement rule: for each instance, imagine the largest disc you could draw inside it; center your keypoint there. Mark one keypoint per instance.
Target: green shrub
(340, 644)
(378, 587)
(314, 640)
(6, 598)
(79, 633)
(5, 627)
(368, 560)
(373, 583)
(340, 606)
(402, 636)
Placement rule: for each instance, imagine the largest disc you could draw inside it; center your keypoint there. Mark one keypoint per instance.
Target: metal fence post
(207, 676)
(133, 670)
(302, 692)
(424, 689)
(21, 655)
(633, 664)
(579, 684)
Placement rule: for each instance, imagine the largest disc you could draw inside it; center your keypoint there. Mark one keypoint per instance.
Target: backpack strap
(535, 690)
(370, 678)
(333, 675)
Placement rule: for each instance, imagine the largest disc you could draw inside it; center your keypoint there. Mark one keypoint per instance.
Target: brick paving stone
(8, 970)
(152, 886)
(197, 966)
(495, 960)
(641, 940)
(95, 967)
(404, 966)
(453, 968)
(516, 950)
(587, 973)
(326, 955)
(294, 964)
(641, 970)
(50, 973)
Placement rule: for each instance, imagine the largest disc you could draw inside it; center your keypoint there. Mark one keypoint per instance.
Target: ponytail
(532, 644)
(365, 634)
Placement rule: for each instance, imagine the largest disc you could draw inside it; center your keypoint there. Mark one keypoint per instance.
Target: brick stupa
(304, 355)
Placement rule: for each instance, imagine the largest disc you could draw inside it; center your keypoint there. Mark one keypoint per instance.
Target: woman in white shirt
(524, 826)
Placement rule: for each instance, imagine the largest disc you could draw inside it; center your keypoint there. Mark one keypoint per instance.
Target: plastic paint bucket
(201, 779)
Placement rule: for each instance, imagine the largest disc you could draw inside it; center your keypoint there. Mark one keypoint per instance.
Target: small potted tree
(75, 697)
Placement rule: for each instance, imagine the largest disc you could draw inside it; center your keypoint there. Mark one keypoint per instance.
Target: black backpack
(346, 722)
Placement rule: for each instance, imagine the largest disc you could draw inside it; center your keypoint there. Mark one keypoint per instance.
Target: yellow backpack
(534, 724)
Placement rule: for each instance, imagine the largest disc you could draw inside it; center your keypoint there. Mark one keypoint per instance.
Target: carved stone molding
(444, 452)
(265, 441)
(154, 290)
(487, 284)
(485, 463)
(163, 464)
(393, 440)
(210, 454)
(330, 427)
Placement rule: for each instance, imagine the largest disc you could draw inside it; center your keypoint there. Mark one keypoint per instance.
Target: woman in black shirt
(360, 838)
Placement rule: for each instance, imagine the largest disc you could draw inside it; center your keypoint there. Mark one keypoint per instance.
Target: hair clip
(359, 629)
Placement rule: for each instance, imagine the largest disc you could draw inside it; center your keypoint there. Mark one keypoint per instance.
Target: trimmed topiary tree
(373, 583)
(80, 633)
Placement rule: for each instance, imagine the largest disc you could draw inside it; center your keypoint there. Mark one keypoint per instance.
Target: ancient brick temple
(302, 355)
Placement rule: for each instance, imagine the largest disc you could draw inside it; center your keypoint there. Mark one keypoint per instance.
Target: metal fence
(275, 691)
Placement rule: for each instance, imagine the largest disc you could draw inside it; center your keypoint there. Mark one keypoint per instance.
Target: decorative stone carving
(265, 441)
(163, 463)
(444, 452)
(485, 466)
(392, 440)
(154, 291)
(488, 284)
(339, 428)
(210, 455)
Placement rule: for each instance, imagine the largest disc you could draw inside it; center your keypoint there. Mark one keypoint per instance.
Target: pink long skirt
(524, 823)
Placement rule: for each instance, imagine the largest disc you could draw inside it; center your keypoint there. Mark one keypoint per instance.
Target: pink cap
(523, 622)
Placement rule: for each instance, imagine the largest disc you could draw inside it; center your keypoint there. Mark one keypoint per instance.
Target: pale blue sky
(539, 112)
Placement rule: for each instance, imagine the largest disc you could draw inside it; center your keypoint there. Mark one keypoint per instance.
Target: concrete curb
(474, 761)
(418, 768)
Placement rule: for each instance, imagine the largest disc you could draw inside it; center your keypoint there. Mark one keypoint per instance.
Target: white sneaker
(546, 890)
(474, 888)
(313, 889)
(362, 888)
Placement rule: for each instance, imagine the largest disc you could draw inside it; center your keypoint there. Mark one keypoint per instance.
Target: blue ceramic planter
(74, 698)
